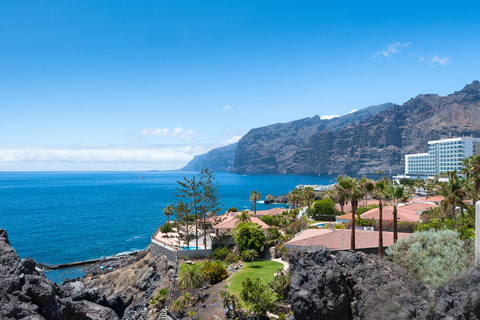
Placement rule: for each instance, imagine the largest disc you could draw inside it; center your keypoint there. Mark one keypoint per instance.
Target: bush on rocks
(434, 256)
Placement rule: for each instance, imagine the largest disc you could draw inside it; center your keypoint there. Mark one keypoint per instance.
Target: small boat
(142, 177)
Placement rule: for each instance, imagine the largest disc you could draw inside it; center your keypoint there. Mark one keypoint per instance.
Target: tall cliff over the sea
(375, 138)
(218, 159)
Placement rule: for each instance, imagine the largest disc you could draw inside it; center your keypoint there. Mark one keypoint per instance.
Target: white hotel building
(443, 156)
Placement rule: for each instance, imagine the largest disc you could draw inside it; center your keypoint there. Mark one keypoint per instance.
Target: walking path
(286, 265)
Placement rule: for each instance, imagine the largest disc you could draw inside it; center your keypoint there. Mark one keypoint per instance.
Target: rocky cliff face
(122, 294)
(359, 286)
(376, 138)
(218, 159)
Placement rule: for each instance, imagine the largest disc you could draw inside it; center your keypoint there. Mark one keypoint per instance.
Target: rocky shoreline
(120, 293)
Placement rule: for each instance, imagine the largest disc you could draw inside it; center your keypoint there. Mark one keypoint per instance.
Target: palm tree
(254, 196)
(380, 187)
(270, 198)
(250, 254)
(191, 277)
(229, 299)
(355, 189)
(295, 198)
(243, 217)
(168, 210)
(395, 195)
(191, 313)
(450, 190)
(308, 194)
(471, 170)
(340, 195)
(179, 306)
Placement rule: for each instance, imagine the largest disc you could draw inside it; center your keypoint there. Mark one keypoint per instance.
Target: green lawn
(264, 269)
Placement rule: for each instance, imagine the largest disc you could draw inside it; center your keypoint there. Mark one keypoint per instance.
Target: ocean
(59, 217)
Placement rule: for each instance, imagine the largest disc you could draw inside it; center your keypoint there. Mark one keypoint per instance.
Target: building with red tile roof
(270, 212)
(229, 223)
(339, 239)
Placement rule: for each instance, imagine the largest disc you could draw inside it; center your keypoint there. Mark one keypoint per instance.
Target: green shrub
(273, 233)
(220, 253)
(270, 220)
(232, 209)
(434, 256)
(214, 271)
(339, 226)
(249, 235)
(158, 301)
(324, 207)
(231, 258)
(363, 209)
(166, 228)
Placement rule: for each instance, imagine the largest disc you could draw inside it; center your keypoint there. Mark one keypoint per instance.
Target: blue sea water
(59, 217)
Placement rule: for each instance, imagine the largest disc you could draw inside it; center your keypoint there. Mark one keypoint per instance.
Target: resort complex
(443, 156)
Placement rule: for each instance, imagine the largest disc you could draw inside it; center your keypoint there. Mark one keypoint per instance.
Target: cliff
(26, 293)
(354, 285)
(375, 138)
(218, 159)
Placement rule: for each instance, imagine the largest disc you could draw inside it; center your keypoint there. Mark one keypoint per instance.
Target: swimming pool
(191, 248)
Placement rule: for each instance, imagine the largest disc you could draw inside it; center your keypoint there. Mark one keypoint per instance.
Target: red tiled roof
(403, 214)
(270, 212)
(231, 222)
(429, 199)
(340, 239)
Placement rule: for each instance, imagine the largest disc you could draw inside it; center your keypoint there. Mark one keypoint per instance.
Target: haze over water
(59, 217)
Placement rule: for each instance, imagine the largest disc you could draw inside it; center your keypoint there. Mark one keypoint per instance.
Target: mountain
(375, 138)
(219, 159)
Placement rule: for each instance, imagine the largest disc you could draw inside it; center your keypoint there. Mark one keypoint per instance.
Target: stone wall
(157, 249)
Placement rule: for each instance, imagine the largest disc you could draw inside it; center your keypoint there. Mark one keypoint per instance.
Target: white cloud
(328, 117)
(156, 132)
(178, 132)
(354, 110)
(443, 60)
(112, 154)
(183, 134)
(391, 50)
(227, 107)
(421, 58)
(230, 141)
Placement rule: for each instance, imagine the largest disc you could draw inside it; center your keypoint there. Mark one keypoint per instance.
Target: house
(226, 226)
(339, 239)
(409, 212)
(270, 212)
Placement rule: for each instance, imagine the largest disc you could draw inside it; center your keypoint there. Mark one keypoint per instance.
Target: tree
(166, 228)
(340, 194)
(379, 193)
(355, 189)
(308, 194)
(158, 301)
(395, 195)
(269, 198)
(168, 211)
(295, 198)
(244, 216)
(210, 199)
(191, 277)
(257, 296)
(324, 207)
(191, 313)
(250, 254)
(249, 235)
(451, 190)
(281, 285)
(471, 170)
(229, 301)
(179, 306)
(254, 196)
(183, 216)
(191, 191)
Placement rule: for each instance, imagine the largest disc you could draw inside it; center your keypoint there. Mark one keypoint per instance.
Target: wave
(134, 238)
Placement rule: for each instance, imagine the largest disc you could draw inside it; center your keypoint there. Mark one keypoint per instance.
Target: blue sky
(140, 85)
